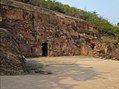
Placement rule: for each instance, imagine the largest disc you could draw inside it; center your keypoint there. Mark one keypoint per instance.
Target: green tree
(92, 17)
(117, 24)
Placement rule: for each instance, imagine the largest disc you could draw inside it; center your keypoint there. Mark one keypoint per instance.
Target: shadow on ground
(59, 77)
(67, 76)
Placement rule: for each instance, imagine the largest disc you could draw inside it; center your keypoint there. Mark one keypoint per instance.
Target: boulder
(10, 60)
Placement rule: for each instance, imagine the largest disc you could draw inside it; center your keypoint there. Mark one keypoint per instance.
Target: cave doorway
(44, 49)
(92, 46)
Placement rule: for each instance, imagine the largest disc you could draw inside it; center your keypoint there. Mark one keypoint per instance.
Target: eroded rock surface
(41, 32)
(10, 63)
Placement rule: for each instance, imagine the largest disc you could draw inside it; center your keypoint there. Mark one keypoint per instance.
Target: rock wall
(32, 27)
(10, 62)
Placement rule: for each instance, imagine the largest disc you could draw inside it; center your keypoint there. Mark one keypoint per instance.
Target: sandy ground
(68, 73)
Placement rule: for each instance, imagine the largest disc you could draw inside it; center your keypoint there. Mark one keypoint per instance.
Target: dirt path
(68, 73)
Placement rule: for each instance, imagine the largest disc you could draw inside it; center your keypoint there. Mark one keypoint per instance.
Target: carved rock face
(33, 26)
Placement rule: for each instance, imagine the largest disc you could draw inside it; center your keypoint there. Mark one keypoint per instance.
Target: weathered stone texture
(65, 35)
(9, 55)
(31, 29)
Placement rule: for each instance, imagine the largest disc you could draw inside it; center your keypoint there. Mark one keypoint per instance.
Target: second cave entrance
(44, 49)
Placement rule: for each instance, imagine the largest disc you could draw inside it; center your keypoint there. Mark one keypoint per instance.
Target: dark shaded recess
(108, 32)
(44, 49)
(32, 50)
(92, 46)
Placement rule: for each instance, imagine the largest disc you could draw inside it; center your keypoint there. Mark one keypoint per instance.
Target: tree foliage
(92, 17)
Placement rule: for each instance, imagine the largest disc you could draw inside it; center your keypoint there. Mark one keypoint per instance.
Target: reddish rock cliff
(41, 32)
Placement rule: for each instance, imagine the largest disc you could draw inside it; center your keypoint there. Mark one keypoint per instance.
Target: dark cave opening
(92, 46)
(44, 49)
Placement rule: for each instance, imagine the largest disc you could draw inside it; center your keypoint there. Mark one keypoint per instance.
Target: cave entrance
(44, 49)
(92, 46)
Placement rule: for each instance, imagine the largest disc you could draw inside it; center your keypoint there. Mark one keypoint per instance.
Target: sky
(109, 9)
